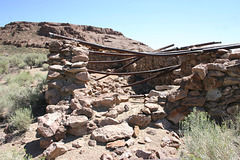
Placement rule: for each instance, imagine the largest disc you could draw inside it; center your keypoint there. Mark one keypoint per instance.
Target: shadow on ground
(33, 148)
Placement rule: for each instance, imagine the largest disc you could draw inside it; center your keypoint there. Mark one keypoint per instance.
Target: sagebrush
(204, 139)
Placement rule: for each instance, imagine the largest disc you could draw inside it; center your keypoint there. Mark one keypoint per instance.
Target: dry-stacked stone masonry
(67, 70)
(210, 82)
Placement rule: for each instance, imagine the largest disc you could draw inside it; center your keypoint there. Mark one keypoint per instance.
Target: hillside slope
(33, 34)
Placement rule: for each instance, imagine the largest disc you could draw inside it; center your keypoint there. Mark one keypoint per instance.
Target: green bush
(35, 59)
(15, 60)
(45, 67)
(204, 139)
(18, 92)
(21, 119)
(4, 65)
(22, 79)
(22, 65)
(13, 154)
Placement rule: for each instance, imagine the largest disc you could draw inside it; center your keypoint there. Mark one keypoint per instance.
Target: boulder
(178, 114)
(140, 119)
(76, 121)
(83, 129)
(213, 95)
(81, 57)
(215, 74)
(136, 131)
(60, 133)
(235, 55)
(159, 114)
(163, 124)
(193, 101)
(49, 124)
(55, 46)
(116, 144)
(211, 83)
(56, 83)
(112, 132)
(177, 95)
(130, 142)
(108, 121)
(56, 67)
(54, 56)
(231, 81)
(79, 64)
(111, 113)
(106, 156)
(92, 143)
(54, 75)
(54, 150)
(52, 96)
(152, 107)
(80, 51)
(201, 70)
(57, 108)
(83, 76)
(154, 93)
(83, 111)
(192, 82)
(143, 154)
(75, 70)
(45, 142)
(170, 141)
(75, 104)
(216, 67)
(106, 100)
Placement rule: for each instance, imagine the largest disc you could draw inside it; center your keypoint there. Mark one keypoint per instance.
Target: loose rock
(112, 132)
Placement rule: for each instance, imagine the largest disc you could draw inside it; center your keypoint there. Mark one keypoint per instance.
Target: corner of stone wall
(67, 70)
(211, 83)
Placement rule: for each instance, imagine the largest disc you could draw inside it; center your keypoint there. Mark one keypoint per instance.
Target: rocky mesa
(36, 34)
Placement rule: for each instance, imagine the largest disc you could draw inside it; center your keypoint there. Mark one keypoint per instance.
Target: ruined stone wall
(213, 86)
(187, 61)
(67, 70)
(150, 63)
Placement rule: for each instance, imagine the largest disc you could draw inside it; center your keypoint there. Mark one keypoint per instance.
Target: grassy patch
(204, 139)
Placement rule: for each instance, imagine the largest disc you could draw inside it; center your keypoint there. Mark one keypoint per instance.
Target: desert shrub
(22, 65)
(22, 79)
(204, 139)
(4, 65)
(15, 60)
(35, 59)
(18, 92)
(45, 67)
(13, 154)
(21, 119)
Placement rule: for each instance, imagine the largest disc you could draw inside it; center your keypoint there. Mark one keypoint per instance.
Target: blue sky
(154, 22)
